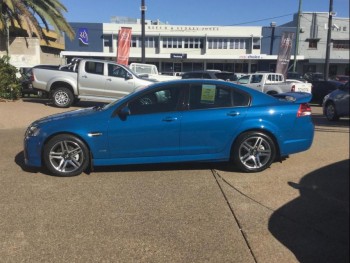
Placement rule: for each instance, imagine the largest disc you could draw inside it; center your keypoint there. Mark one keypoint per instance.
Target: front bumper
(32, 151)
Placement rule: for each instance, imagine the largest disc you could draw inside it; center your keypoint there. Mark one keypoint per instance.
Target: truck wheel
(62, 97)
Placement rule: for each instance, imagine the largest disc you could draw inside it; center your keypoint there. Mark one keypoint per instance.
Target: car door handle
(109, 79)
(233, 113)
(84, 76)
(169, 119)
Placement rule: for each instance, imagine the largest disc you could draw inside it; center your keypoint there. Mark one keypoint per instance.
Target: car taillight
(304, 110)
(293, 88)
(32, 77)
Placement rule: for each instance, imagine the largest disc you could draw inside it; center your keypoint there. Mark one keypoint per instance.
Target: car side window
(244, 80)
(256, 78)
(163, 100)
(116, 71)
(94, 67)
(206, 96)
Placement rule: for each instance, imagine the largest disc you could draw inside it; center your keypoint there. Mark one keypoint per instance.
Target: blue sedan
(176, 121)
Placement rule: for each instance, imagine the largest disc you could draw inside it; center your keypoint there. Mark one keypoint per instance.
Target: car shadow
(321, 123)
(223, 166)
(315, 226)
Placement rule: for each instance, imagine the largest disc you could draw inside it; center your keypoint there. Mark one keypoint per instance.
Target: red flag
(124, 39)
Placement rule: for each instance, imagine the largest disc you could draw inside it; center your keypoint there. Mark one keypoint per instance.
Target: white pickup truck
(149, 71)
(273, 83)
(86, 79)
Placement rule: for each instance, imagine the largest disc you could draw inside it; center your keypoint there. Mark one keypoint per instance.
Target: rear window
(225, 76)
(205, 96)
(192, 75)
(94, 67)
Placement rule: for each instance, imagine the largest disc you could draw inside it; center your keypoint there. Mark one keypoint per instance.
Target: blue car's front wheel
(253, 151)
(66, 155)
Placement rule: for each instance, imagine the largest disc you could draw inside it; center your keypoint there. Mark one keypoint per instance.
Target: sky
(200, 12)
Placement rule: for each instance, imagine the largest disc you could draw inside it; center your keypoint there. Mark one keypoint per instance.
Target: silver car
(336, 103)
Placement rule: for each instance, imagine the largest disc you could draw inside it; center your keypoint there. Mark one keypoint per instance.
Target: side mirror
(124, 113)
(128, 76)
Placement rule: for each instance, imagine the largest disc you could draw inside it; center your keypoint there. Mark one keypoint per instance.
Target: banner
(284, 53)
(124, 39)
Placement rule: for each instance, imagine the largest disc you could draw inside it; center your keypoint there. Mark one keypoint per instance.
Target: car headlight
(32, 131)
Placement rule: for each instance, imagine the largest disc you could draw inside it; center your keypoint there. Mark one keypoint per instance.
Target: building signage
(178, 55)
(182, 28)
(262, 56)
(83, 36)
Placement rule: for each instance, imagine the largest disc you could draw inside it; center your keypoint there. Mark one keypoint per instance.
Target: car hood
(80, 113)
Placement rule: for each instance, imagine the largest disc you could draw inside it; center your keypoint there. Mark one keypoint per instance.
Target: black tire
(66, 155)
(331, 112)
(62, 97)
(253, 152)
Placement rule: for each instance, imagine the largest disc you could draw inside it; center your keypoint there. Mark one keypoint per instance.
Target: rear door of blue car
(214, 113)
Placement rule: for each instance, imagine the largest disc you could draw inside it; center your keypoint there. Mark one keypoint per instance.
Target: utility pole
(296, 48)
(273, 26)
(143, 50)
(328, 48)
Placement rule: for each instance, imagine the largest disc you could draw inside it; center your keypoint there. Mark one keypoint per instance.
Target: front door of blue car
(215, 112)
(151, 129)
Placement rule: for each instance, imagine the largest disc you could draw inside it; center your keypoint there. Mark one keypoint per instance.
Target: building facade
(26, 52)
(313, 43)
(174, 48)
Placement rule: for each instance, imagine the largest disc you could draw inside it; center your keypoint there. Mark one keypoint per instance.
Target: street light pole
(328, 47)
(143, 49)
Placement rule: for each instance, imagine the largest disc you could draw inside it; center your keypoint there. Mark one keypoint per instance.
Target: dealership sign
(178, 55)
(83, 36)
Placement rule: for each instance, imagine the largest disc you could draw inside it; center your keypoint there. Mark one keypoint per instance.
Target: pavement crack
(216, 176)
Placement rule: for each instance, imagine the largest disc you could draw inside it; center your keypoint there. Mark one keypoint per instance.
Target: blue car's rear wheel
(253, 151)
(66, 155)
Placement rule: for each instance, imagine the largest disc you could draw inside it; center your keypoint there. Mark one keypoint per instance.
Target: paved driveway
(295, 211)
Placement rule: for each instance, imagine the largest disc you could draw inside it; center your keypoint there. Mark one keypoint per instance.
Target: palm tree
(28, 13)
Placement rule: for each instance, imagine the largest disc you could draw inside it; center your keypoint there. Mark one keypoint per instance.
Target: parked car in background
(273, 83)
(336, 103)
(87, 79)
(175, 121)
(210, 74)
(26, 83)
(321, 88)
(295, 76)
(150, 72)
(342, 78)
(313, 76)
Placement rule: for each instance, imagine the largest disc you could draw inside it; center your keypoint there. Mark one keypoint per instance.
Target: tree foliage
(27, 14)
(9, 83)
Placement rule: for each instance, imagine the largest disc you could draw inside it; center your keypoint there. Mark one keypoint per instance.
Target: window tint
(192, 75)
(256, 78)
(116, 71)
(163, 100)
(94, 67)
(205, 96)
(225, 76)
